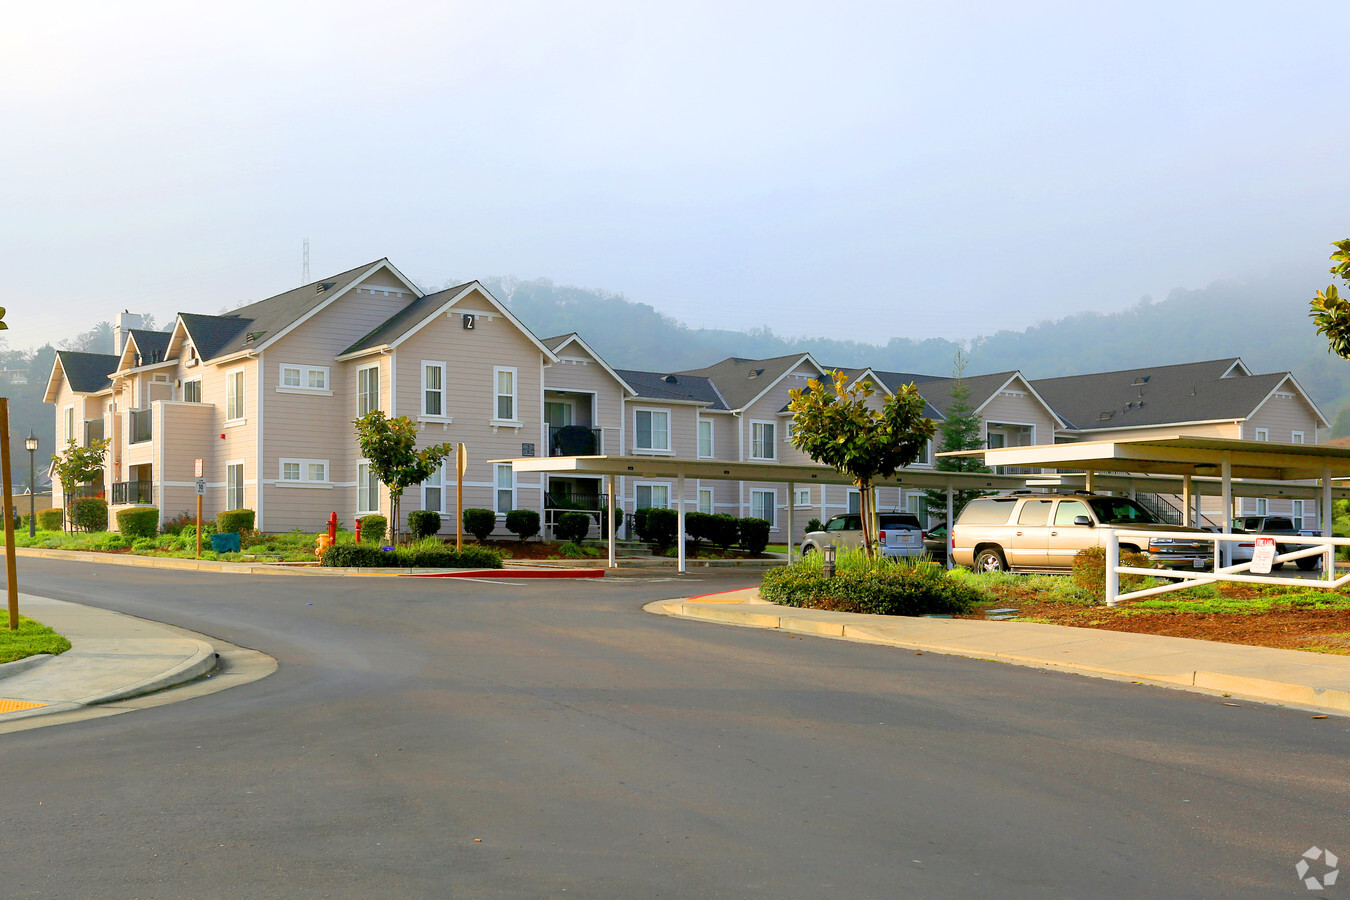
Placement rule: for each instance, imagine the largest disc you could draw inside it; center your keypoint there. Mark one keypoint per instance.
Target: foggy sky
(857, 171)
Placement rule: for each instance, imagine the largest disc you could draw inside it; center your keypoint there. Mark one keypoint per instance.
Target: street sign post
(461, 464)
(201, 490)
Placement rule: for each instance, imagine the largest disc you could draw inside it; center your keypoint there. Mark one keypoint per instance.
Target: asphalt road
(465, 739)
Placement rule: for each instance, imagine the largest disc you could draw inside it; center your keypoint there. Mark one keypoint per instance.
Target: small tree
(959, 431)
(75, 466)
(390, 447)
(833, 424)
(1331, 311)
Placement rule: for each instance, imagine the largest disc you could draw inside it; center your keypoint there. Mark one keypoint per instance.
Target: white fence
(1239, 572)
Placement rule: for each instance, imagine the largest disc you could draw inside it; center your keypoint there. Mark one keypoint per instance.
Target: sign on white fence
(1263, 556)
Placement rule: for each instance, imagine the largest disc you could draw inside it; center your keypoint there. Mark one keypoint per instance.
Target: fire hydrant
(324, 542)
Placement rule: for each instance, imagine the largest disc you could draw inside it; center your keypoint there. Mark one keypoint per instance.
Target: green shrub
(640, 523)
(572, 550)
(373, 528)
(144, 543)
(423, 523)
(723, 530)
(187, 535)
(49, 519)
(753, 534)
(113, 541)
(240, 520)
(91, 514)
(167, 542)
(661, 525)
(883, 587)
(479, 523)
(1089, 571)
(523, 523)
(697, 525)
(179, 522)
(439, 557)
(139, 521)
(814, 525)
(573, 526)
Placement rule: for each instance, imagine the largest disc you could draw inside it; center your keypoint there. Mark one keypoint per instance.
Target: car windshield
(1120, 511)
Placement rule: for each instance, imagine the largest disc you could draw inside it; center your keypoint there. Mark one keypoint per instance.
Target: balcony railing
(574, 440)
(87, 490)
(140, 425)
(128, 492)
(93, 431)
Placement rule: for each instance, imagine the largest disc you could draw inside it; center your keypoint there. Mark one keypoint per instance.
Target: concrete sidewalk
(1315, 681)
(112, 657)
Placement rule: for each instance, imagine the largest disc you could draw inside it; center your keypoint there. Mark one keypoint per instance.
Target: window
(505, 381)
(367, 390)
(803, 497)
(234, 484)
(653, 429)
(367, 489)
(1263, 434)
(705, 500)
(192, 391)
(304, 471)
(234, 396)
(1261, 505)
(1068, 510)
(1034, 512)
(925, 454)
(1296, 437)
(651, 495)
(558, 413)
(914, 504)
(1298, 511)
(763, 505)
(761, 441)
(705, 439)
(854, 501)
(506, 489)
(433, 389)
(432, 495)
(68, 420)
(298, 378)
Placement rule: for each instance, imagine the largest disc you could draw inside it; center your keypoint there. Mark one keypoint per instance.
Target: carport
(681, 470)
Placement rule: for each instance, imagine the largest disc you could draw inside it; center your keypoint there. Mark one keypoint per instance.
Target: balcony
(125, 493)
(93, 431)
(574, 440)
(140, 426)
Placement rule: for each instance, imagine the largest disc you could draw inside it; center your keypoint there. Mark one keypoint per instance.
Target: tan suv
(1042, 532)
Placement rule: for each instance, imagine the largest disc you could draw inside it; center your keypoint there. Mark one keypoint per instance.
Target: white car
(899, 534)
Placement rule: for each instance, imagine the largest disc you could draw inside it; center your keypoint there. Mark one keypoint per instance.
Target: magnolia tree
(834, 424)
(390, 448)
(1331, 311)
(75, 466)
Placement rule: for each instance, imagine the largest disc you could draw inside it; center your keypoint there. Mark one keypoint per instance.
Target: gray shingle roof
(660, 386)
(938, 391)
(741, 380)
(401, 322)
(553, 343)
(211, 334)
(152, 345)
(87, 373)
(1156, 395)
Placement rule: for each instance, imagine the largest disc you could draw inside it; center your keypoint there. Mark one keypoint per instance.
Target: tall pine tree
(960, 430)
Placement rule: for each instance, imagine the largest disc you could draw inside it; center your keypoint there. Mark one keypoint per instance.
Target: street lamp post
(31, 442)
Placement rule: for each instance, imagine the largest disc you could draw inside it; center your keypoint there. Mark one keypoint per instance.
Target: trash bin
(227, 542)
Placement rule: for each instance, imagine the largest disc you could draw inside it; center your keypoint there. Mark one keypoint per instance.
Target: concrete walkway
(112, 657)
(1315, 681)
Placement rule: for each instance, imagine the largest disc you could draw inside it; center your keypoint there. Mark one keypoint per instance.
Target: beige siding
(1284, 413)
(1017, 406)
(1211, 429)
(768, 408)
(578, 371)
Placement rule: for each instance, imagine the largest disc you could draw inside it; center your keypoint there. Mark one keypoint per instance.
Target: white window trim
(773, 505)
(379, 389)
(773, 445)
(496, 486)
(802, 497)
(443, 415)
(514, 421)
(665, 484)
(712, 439)
(1262, 434)
(304, 481)
(243, 383)
(198, 383)
(698, 502)
(68, 424)
(243, 480)
(304, 388)
(666, 450)
(441, 473)
(1297, 437)
(375, 490)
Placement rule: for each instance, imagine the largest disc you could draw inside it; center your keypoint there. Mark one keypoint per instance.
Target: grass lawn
(31, 639)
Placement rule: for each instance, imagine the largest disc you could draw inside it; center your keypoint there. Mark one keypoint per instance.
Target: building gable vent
(1106, 415)
(324, 286)
(755, 373)
(670, 379)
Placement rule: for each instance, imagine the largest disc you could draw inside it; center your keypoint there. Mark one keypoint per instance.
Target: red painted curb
(510, 573)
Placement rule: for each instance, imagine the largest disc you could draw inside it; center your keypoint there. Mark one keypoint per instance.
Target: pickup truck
(899, 534)
(1273, 525)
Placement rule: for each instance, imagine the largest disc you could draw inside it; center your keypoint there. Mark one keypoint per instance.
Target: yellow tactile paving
(7, 706)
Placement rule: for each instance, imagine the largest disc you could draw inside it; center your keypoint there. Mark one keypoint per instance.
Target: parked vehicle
(899, 534)
(1043, 532)
(1272, 525)
(935, 542)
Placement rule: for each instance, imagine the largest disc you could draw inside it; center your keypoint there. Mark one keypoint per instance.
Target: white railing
(1324, 547)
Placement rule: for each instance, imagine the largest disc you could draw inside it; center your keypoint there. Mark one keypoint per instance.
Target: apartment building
(265, 396)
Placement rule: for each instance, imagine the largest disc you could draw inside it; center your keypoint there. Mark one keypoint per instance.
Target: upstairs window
(300, 378)
(705, 439)
(762, 445)
(367, 390)
(653, 429)
(304, 471)
(234, 396)
(505, 381)
(433, 389)
(192, 391)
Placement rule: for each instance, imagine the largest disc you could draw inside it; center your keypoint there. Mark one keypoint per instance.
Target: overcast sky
(851, 170)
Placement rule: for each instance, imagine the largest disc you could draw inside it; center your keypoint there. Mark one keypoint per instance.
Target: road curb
(201, 662)
(14, 667)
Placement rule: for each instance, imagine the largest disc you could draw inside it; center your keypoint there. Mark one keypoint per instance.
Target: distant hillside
(1263, 320)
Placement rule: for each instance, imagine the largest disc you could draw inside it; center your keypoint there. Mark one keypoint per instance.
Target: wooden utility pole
(461, 463)
(11, 558)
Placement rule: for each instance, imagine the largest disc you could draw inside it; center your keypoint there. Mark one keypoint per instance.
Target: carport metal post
(1226, 470)
(1186, 500)
(792, 501)
(609, 511)
(1328, 523)
(1112, 560)
(679, 520)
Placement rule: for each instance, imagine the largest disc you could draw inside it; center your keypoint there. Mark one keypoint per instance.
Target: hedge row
(368, 557)
(889, 590)
(658, 525)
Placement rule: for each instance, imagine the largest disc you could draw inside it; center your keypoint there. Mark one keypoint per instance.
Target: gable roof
(742, 381)
(86, 373)
(151, 346)
(211, 334)
(676, 387)
(558, 342)
(1158, 395)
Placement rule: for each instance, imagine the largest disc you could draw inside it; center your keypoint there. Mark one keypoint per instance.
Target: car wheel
(990, 559)
(807, 550)
(1308, 563)
(1276, 566)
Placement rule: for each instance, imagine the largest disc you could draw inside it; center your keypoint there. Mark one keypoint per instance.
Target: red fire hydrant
(332, 529)
(358, 531)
